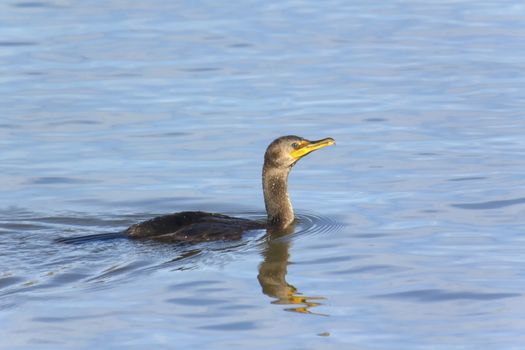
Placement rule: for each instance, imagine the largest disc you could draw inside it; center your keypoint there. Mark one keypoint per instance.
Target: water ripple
(96, 263)
(438, 295)
(8, 281)
(231, 326)
(490, 204)
(314, 224)
(17, 43)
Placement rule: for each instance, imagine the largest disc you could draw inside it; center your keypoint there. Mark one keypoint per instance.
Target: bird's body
(196, 226)
(193, 226)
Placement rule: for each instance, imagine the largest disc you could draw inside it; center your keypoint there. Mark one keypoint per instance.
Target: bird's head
(285, 151)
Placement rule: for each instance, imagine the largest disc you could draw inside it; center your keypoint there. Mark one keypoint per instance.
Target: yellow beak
(309, 146)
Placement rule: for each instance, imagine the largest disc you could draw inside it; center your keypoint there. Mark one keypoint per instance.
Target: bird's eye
(295, 145)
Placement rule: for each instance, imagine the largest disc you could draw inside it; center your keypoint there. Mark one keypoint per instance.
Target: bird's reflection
(272, 274)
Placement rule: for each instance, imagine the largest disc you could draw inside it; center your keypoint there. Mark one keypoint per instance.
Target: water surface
(410, 231)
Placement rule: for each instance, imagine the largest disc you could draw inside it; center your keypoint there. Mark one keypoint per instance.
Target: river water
(410, 232)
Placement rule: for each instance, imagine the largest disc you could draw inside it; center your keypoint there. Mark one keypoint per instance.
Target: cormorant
(196, 226)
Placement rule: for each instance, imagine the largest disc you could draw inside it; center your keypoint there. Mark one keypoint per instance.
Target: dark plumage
(193, 226)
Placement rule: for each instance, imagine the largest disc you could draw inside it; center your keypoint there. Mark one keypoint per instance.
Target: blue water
(411, 230)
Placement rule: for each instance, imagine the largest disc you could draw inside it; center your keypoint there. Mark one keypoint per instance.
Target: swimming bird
(197, 226)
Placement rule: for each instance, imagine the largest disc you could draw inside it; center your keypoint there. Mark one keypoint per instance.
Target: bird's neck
(278, 205)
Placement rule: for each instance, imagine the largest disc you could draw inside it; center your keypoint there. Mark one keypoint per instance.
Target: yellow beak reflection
(306, 147)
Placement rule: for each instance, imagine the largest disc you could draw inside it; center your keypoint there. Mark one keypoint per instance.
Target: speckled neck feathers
(275, 188)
